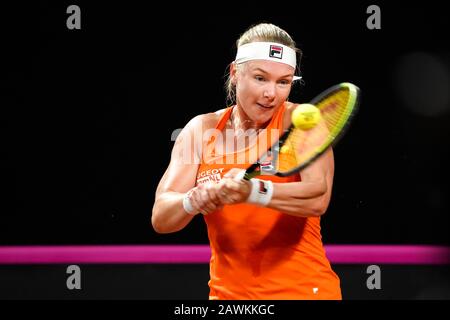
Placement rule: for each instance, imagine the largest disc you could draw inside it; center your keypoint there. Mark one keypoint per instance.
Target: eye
(259, 78)
(284, 82)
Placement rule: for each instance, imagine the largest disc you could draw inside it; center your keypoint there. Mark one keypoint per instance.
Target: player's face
(261, 88)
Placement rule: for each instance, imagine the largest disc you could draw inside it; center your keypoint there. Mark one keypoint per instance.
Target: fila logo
(262, 187)
(276, 52)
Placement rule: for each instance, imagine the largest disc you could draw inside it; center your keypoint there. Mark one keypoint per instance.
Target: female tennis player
(264, 233)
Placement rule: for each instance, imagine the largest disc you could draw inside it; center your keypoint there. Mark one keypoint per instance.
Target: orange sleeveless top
(261, 253)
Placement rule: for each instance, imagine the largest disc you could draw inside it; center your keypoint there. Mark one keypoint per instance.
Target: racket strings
(334, 110)
(303, 145)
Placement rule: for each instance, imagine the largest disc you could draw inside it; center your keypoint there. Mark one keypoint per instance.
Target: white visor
(267, 51)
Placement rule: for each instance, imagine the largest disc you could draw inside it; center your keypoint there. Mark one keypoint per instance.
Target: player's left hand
(232, 189)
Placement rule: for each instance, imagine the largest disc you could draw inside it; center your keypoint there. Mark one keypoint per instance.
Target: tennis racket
(296, 148)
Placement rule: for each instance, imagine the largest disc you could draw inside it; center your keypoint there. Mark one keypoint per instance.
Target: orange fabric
(261, 253)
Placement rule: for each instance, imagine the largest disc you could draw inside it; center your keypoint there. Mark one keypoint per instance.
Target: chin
(262, 116)
(263, 119)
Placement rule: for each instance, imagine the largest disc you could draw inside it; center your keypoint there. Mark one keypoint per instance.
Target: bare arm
(168, 213)
(311, 196)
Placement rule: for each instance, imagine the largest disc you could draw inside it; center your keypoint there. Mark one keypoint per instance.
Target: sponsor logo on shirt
(211, 175)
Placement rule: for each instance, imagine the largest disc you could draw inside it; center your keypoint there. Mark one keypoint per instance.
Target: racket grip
(240, 175)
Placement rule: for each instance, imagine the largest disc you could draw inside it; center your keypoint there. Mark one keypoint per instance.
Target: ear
(233, 71)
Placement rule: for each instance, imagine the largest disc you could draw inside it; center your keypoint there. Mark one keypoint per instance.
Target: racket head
(297, 148)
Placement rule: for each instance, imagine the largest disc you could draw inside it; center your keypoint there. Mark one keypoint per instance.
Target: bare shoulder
(212, 119)
(206, 120)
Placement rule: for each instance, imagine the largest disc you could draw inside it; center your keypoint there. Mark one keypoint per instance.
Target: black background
(87, 117)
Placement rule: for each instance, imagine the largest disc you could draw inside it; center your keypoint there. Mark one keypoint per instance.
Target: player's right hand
(204, 199)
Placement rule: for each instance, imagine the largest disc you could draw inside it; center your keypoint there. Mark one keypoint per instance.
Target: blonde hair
(263, 32)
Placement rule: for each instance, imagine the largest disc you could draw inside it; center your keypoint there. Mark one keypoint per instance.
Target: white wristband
(261, 193)
(187, 204)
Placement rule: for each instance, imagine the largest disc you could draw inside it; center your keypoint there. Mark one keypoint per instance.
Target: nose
(270, 91)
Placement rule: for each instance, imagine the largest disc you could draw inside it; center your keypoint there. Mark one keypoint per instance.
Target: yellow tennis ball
(306, 116)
